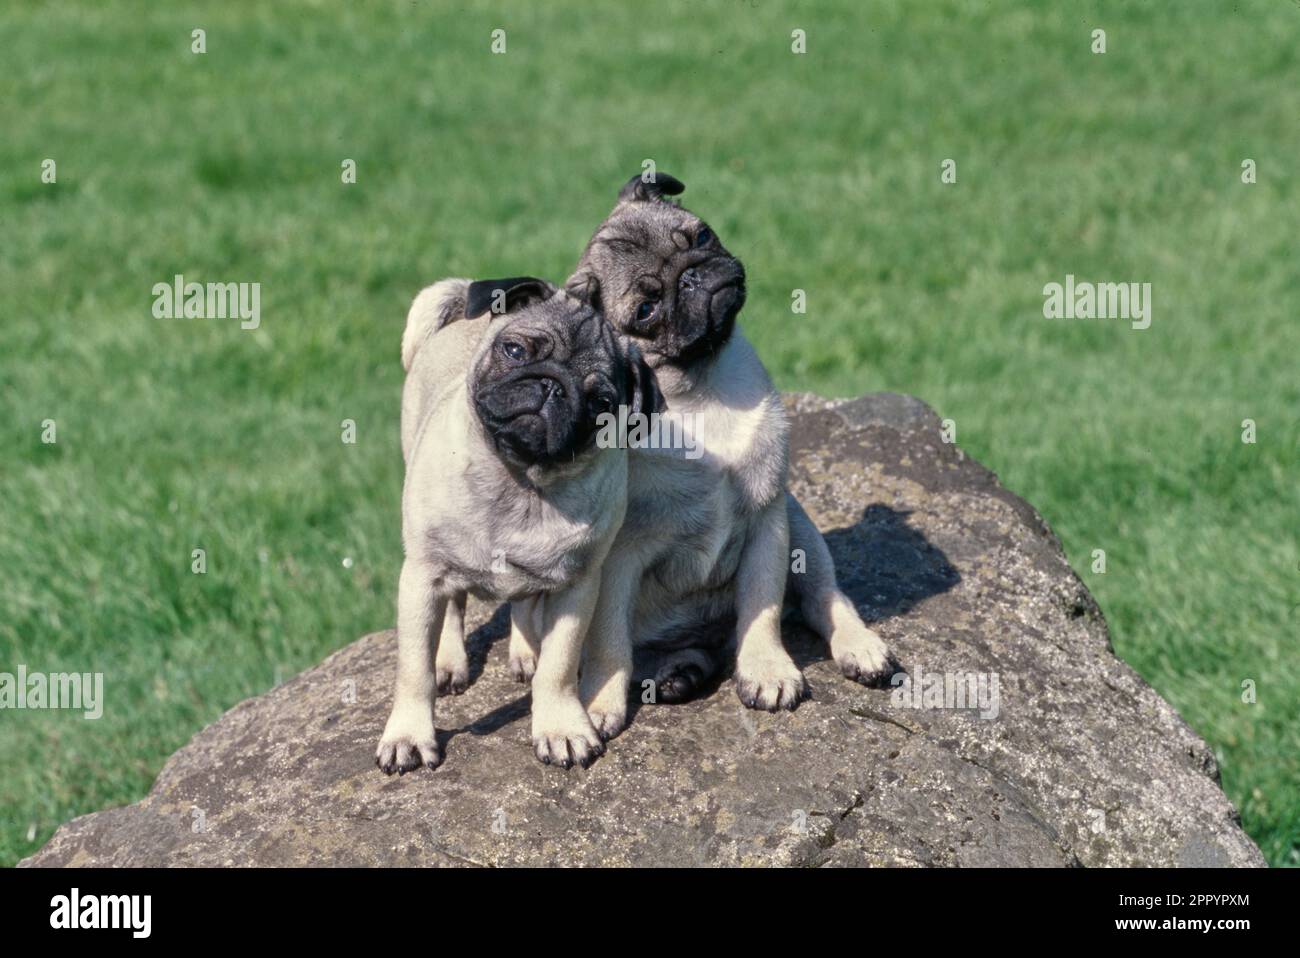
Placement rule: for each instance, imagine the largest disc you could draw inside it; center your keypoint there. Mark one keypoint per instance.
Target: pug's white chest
(480, 532)
(685, 510)
(694, 514)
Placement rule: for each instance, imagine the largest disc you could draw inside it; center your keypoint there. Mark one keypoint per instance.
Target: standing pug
(507, 495)
(700, 566)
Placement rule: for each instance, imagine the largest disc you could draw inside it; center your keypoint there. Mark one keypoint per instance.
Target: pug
(507, 495)
(698, 573)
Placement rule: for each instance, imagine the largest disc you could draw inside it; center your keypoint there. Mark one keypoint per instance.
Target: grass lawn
(822, 171)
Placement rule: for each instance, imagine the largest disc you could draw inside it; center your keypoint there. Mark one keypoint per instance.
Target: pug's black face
(550, 369)
(662, 277)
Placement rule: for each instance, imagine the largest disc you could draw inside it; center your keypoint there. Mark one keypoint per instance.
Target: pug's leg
(562, 733)
(409, 739)
(525, 637)
(607, 654)
(452, 664)
(766, 676)
(859, 652)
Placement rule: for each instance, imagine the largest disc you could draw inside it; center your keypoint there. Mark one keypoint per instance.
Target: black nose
(502, 401)
(690, 279)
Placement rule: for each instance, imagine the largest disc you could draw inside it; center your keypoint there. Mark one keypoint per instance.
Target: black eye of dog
(514, 351)
(703, 237)
(645, 310)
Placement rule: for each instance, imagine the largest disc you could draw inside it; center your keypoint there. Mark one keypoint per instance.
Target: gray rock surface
(1083, 763)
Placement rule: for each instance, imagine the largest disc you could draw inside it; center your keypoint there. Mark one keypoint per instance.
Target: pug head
(548, 369)
(661, 276)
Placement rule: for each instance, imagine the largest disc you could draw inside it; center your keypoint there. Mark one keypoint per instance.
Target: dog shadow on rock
(885, 566)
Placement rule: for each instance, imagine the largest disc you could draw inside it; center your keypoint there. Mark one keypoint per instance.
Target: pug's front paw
(863, 657)
(407, 743)
(770, 681)
(564, 736)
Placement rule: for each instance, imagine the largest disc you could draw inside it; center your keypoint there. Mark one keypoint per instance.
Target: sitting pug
(698, 571)
(507, 495)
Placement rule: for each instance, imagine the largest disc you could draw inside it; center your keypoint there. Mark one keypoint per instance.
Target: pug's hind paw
(608, 723)
(684, 674)
(523, 665)
(452, 679)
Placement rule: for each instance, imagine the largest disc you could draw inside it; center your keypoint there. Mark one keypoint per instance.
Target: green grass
(821, 171)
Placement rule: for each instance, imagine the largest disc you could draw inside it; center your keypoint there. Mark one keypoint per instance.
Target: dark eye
(645, 310)
(513, 351)
(704, 237)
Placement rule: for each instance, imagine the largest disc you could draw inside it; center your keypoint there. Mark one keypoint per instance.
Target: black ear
(585, 288)
(500, 296)
(660, 185)
(644, 387)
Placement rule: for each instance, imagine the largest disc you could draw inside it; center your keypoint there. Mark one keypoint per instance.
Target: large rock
(1080, 762)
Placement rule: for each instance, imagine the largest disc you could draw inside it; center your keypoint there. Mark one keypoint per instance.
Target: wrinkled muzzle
(709, 297)
(530, 417)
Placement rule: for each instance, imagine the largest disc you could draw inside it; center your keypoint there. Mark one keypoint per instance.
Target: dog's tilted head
(548, 371)
(661, 276)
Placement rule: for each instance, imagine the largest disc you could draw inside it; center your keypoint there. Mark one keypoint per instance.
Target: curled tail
(434, 308)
